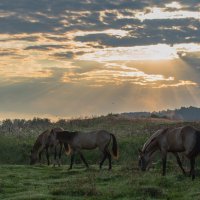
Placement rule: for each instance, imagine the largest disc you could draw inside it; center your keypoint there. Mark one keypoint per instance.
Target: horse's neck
(37, 147)
(40, 142)
(151, 147)
(152, 144)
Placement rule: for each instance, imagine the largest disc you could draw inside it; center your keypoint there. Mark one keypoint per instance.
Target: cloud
(149, 52)
(45, 47)
(179, 84)
(120, 74)
(110, 56)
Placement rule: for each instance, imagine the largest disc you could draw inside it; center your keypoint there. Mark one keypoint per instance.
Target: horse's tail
(68, 149)
(115, 152)
(196, 149)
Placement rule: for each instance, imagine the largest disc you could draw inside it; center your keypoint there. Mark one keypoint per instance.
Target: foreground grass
(43, 182)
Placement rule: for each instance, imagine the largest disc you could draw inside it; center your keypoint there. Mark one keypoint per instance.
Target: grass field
(19, 180)
(42, 182)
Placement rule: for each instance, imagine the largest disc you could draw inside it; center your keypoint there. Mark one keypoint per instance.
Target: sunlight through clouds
(118, 74)
(132, 51)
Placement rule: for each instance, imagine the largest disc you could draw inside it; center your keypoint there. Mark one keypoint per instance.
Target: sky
(67, 58)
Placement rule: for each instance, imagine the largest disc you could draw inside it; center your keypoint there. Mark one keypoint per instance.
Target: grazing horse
(184, 139)
(74, 142)
(42, 144)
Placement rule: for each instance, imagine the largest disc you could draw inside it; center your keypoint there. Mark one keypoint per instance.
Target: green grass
(19, 181)
(42, 182)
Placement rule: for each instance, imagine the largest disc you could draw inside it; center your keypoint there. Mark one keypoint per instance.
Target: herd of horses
(185, 140)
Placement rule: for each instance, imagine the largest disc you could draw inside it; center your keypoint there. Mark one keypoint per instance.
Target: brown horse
(42, 144)
(74, 142)
(184, 139)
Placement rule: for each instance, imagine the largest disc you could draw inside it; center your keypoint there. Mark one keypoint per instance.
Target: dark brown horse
(184, 139)
(74, 142)
(42, 144)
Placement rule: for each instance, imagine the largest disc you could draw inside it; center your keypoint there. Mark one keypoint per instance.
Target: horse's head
(33, 157)
(143, 160)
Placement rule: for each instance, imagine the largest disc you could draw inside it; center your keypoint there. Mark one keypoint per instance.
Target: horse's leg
(40, 156)
(72, 161)
(164, 161)
(109, 158)
(104, 158)
(192, 164)
(179, 162)
(55, 156)
(83, 159)
(60, 152)
(47, 155)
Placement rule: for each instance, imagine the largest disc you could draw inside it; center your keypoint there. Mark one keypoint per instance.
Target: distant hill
(184, 113)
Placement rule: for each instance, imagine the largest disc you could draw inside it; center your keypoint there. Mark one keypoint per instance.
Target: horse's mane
(38, 142)
(152, 138)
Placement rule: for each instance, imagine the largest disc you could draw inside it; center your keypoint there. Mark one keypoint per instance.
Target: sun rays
(94, 57)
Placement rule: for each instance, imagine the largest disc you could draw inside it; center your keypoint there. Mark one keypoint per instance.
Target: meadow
(19, 180)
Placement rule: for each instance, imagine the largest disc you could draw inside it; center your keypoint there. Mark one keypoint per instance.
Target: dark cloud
(14, 25)
(68, 55)
(7, 52)
(152, 32)
(60, 6)
(45, 47)
(26, 38)
(45, 16)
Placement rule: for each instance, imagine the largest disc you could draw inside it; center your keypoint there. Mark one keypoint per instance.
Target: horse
(74, 142)
(42, 144)
(184, 139)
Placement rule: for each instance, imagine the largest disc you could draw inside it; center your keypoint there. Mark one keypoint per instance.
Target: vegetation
(19, 180)
(184, 113)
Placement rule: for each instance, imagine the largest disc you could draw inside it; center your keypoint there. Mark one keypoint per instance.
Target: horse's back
(91, 140)
(181, 139)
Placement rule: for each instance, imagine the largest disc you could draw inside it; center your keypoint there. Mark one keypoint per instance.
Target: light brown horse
(74, 142)
(42, 144)
(184, 139)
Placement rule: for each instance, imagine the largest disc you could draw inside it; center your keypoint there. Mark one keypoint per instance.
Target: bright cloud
(150, 52)
(160, 13)
(118, 74)
(180, 83)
